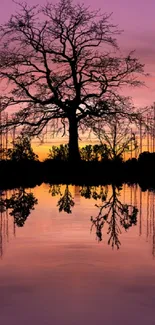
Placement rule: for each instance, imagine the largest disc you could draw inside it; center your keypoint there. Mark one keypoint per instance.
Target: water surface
(58, 268)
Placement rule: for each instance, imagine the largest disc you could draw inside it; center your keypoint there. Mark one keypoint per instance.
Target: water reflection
(111, 210)
(94, 192)
(118, 208)
(5, 232)
(116, 215)
(18, 204)
(21, 203)
(150, 221)
(65, 202)
(55, 260)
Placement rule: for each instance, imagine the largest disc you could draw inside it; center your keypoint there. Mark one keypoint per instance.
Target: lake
(76, 255)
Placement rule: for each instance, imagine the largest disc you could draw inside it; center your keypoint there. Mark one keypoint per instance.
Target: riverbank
(31, 173)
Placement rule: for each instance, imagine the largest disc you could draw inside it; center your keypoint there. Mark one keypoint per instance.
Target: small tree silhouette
(116, 135)
(59, 153)
(22, 150)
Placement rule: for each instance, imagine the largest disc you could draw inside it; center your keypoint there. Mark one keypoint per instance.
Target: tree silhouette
(94, 153)
(116, 215)
(61, 61)
(59, 153)
(88, 153)
(21, 203)
(21, 150)
(116, 135)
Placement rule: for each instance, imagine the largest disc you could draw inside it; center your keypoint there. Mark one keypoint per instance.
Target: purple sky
(136, 18)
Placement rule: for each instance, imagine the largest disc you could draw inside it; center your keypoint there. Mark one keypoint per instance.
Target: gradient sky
(136, 19)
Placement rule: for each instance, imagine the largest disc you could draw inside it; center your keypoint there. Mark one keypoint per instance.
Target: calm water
(91, 263)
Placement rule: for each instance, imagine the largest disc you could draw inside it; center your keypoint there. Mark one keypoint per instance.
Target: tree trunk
(74, 154)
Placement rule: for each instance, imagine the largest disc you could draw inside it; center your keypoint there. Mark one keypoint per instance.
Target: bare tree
(61, 61)
(118, 134)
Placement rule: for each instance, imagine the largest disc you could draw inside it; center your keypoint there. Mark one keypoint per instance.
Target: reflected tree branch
(21, 203)
(115, 215)
(94, 192)
(65, 203)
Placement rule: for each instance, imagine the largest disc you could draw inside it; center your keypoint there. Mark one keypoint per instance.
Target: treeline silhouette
(21, 167)
(97, 152)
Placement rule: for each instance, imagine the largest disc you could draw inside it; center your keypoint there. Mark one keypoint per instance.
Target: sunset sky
(136, 19)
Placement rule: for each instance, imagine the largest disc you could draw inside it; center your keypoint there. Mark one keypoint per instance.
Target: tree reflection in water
(116, 215)
(94, 192)
(2, 201)
(55, 190)
(21, 203)
(112, 212)
(65, 202)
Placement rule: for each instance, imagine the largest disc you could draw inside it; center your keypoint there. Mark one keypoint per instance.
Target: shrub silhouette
(22, 150)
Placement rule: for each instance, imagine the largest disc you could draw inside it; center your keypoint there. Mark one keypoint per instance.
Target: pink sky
(136, 18)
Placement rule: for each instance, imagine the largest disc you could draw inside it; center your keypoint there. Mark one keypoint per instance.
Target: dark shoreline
(31, 173)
